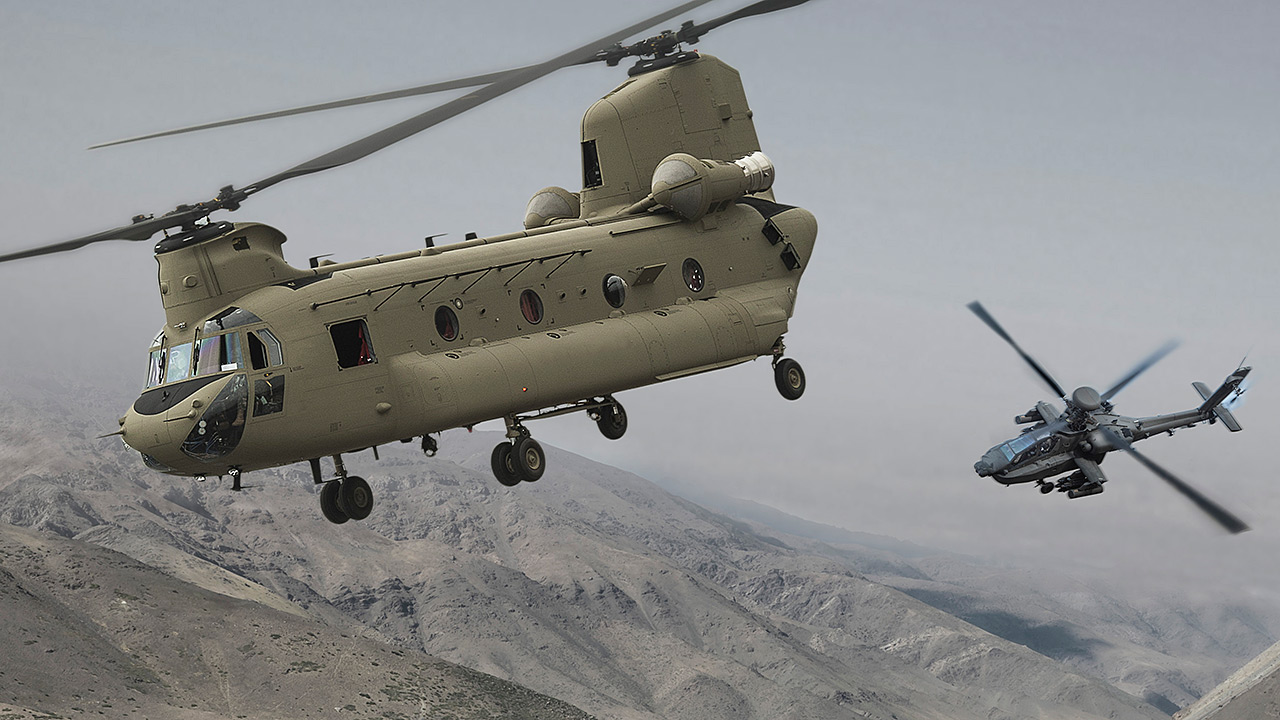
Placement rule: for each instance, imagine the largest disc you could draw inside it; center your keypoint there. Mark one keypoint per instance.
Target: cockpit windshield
(232, 317)
(178, 363)
(219, 347)
(219, 353)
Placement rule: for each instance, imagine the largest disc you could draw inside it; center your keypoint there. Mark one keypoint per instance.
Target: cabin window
(615, 290)
(591, 176)
(447, 323)
(219, 353)
(178, 363)
(531, 307)
(352, 343)
(693, 277)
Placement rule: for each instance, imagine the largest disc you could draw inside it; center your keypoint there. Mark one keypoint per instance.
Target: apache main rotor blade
(1224, 518)
(985, 317)
(363, 99)
(1141, 368)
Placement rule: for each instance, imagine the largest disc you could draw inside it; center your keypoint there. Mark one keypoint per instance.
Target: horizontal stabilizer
(1220, 412)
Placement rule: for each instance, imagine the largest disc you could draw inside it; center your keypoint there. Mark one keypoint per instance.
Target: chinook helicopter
(1077, 440)
(674, 259)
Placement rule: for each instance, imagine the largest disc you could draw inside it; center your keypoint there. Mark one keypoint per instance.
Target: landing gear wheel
(529, 459)
(789, 377)
(503, 466)
(613, 421)
(1046, 488)
(329, 503)
(355, 498)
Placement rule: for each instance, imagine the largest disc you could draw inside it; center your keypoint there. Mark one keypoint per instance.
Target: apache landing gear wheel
(613, 420)
(1046, 488)
(789, 377)
(503, 466)
(355, 498)
(528, 459)
(329, 503)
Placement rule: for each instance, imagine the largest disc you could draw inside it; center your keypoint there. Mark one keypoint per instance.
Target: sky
(1102, 176)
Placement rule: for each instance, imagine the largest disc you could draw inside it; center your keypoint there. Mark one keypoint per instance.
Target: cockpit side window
(264, 349)
(155, 361)
(155, 367)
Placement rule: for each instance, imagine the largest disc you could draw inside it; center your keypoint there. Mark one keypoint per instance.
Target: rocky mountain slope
(88, 631)
(597, 587)
(1251, 693)
(1167, 648)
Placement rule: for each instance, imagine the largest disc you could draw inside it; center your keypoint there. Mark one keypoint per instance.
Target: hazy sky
(1103, 176)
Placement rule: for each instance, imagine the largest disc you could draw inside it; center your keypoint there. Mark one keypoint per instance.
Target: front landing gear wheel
(329, 503)
(502, 465)
(528, 459)
(789, 377)
(613, 421)
(355, 498)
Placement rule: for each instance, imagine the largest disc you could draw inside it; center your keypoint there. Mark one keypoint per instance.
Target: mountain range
(594, 590)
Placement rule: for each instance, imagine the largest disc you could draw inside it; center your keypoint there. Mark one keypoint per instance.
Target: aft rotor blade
(394, 134)
(985, 317)
(230, 198)
(1224, 518)
(1141, 368)
(362, 100)
(759, 8)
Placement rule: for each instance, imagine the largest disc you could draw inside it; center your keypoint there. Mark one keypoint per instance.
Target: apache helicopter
(674, 259)
(1077, 440)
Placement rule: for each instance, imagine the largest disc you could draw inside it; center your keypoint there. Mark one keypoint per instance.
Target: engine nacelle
(550, 205)
(691, 188)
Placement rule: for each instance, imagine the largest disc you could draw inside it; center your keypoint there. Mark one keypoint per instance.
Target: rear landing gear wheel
(789, 377)
(355, 498)
(613, 420)
(329, 503)
(528, 459)
(502, 465)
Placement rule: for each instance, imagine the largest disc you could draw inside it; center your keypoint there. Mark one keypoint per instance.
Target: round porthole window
(693, 277)
(615, 290)
(531, 306)
(447, 323)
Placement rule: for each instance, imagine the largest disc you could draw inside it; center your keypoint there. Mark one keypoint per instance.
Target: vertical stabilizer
(1213, 401)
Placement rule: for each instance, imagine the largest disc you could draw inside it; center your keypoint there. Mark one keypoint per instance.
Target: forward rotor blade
(1224, 518)
(515, 79)
(363, 99)
(1141, 368)
(759, 8)
(141, 230)
(985, 317)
